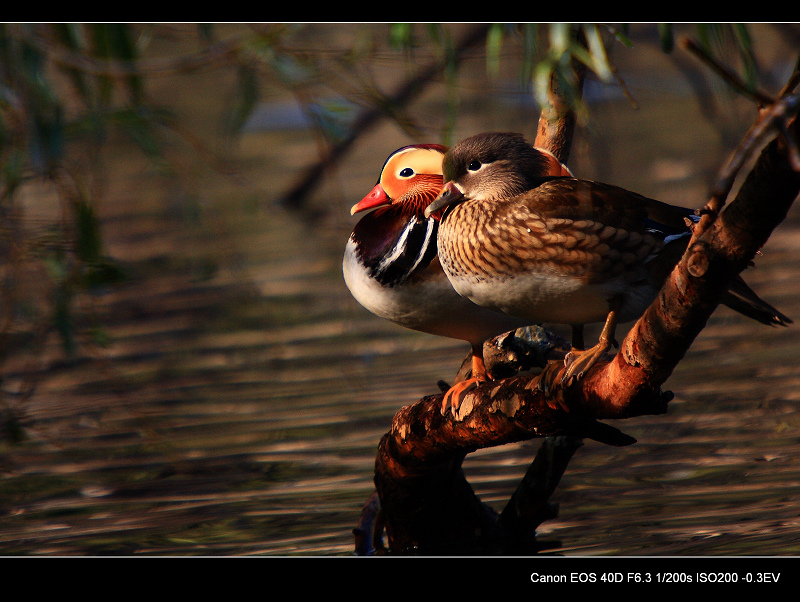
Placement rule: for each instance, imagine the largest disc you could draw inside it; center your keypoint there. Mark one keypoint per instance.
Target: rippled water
(240, 403)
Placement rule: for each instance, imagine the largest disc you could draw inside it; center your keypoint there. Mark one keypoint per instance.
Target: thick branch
(418, 470)
(530, 504)
(661, 337)
(430, 508)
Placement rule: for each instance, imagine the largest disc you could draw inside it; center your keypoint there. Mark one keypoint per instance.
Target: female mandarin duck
(391, 265)
(559, 250)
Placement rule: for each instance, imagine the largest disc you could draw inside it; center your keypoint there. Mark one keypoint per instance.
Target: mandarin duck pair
(495, 234)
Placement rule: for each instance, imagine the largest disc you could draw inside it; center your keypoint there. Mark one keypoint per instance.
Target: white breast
(540, 297)
(427, 303)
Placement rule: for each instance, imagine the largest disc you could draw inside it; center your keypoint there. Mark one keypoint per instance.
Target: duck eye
(407, 172)
(474, 165)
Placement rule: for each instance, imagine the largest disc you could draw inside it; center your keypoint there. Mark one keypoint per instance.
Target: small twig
(727, 74)
(530, 504)
(143, 67)
(296, 196)
(772, 118)
(793, 82)
(769, 118)
(368, 533)
(777, 115)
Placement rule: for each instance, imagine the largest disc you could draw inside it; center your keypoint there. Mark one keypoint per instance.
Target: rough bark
(721, 248)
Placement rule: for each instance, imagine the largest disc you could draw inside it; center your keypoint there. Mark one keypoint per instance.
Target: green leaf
(667, 37)
(206, 31)
(245, 99)
(291, 70)
(140, 125)
(597, 49)
(744, 43)
(560, 38)
(494, 45)
(401, 35)
(726, 40)
(530, 38)
(114, 41)
(72, 36)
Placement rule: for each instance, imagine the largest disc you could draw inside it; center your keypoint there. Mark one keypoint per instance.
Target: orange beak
(375, 198)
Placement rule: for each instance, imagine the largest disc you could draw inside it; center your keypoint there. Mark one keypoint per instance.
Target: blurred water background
(237, 400)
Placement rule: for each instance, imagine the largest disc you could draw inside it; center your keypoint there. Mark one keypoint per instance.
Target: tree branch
(718, 252)
(557, 121)
(426, 500)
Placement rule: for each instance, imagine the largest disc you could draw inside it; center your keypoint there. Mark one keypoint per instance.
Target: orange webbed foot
(455, 395)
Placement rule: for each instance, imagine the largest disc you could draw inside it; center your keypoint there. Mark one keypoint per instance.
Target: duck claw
(579, 362)
(455, 395)
(547, 378)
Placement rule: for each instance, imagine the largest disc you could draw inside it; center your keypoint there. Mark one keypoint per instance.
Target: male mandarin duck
(559, 249)
(391, 265)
